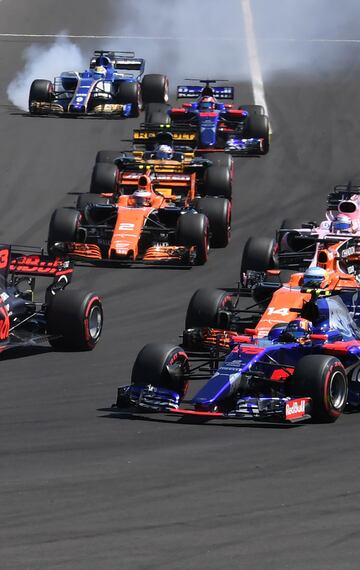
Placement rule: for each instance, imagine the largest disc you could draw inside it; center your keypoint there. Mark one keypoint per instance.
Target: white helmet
(164, 151)
(141, 198)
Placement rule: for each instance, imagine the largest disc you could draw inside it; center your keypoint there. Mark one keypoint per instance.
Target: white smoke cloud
(183, 38)
(44, 62)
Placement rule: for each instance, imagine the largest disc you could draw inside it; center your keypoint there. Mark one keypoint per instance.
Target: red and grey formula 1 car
(66, 318)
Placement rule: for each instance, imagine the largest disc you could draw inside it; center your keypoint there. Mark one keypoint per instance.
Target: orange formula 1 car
(150, 218)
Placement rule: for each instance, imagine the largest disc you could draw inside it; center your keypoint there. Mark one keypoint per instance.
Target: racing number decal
(126, 226)
(283, 312)
(4, 258)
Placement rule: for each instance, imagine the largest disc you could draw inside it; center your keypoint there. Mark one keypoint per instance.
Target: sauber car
(212, 124)
(148, 219)
(292, 356)
(65, 318)
(111, 86)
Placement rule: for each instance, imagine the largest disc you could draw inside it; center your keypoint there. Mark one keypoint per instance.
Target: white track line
(255, 69)
(178, 38)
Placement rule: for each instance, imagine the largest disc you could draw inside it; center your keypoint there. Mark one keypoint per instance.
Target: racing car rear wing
(123, 60)
(194, 91)
(147, 135)
(32, 261)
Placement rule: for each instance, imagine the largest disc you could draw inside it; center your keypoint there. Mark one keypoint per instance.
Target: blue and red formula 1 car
(214, 124)
(111, 86)
(299, 360)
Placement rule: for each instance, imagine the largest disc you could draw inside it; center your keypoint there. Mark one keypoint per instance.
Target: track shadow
(163, 418)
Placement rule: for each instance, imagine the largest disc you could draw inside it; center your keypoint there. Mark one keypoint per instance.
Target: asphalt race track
(82, 489)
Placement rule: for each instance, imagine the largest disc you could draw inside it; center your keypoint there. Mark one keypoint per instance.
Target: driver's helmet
(207, 104)
(342, 223)
(103, 60)
(164, 151)
(276, 331)
(141, 198)
(298, 330)
(100, 71)
(314, 276)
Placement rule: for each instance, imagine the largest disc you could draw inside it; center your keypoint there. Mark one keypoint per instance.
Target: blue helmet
(276, 331)
(314, 276)
(298, 330)
(341, 223)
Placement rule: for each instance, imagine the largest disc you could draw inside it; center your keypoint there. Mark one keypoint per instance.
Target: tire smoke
(44, 62)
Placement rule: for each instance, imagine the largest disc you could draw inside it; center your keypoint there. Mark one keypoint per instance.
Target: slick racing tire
(220, 159)
(218, 212)
(103, 178)
(88, 198)
(163, 366)
(217, 182)
(157, 114)
(257, 127)
(107, 156)
(41, 91)
(193, 231)
(204, 307)
(76, 318)
(253, 109)
(63, 227)
(258, 255)
(323, 378)
(129, 92)
(155, 88)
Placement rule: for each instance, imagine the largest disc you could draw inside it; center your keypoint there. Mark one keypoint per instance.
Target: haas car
(66, 318)
(214, 125)
(296, 248)
(153, 214)
(111, 86)
(292, 355)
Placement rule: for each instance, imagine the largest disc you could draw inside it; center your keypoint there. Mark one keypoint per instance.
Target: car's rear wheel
(257, 127)
(218, 182)
(41, 91)
(155, 88)
(88, 198)
(323, 379)
(157, 114)
(63, 227)
(204, 308)
(129, 93)
(193, 231)
(218, 212)
(103, 178)
(253, 109)
(258, 255)
(161, 365)
(74, 320)
(220, 159)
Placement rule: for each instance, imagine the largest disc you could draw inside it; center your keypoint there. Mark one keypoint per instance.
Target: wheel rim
(337, 391)
(95, 322)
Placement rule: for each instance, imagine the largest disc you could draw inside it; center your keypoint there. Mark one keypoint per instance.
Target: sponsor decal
(126, 226)
(295, 408)
(347, 252)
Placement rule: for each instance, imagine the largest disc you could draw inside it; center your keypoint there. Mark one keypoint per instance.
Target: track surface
(82, 490)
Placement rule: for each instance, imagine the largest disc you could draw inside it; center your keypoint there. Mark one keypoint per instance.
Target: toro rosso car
(149, 218)
(296, 248)
(215, 125)
(300, 359)
(65, 318)
(111, 86)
